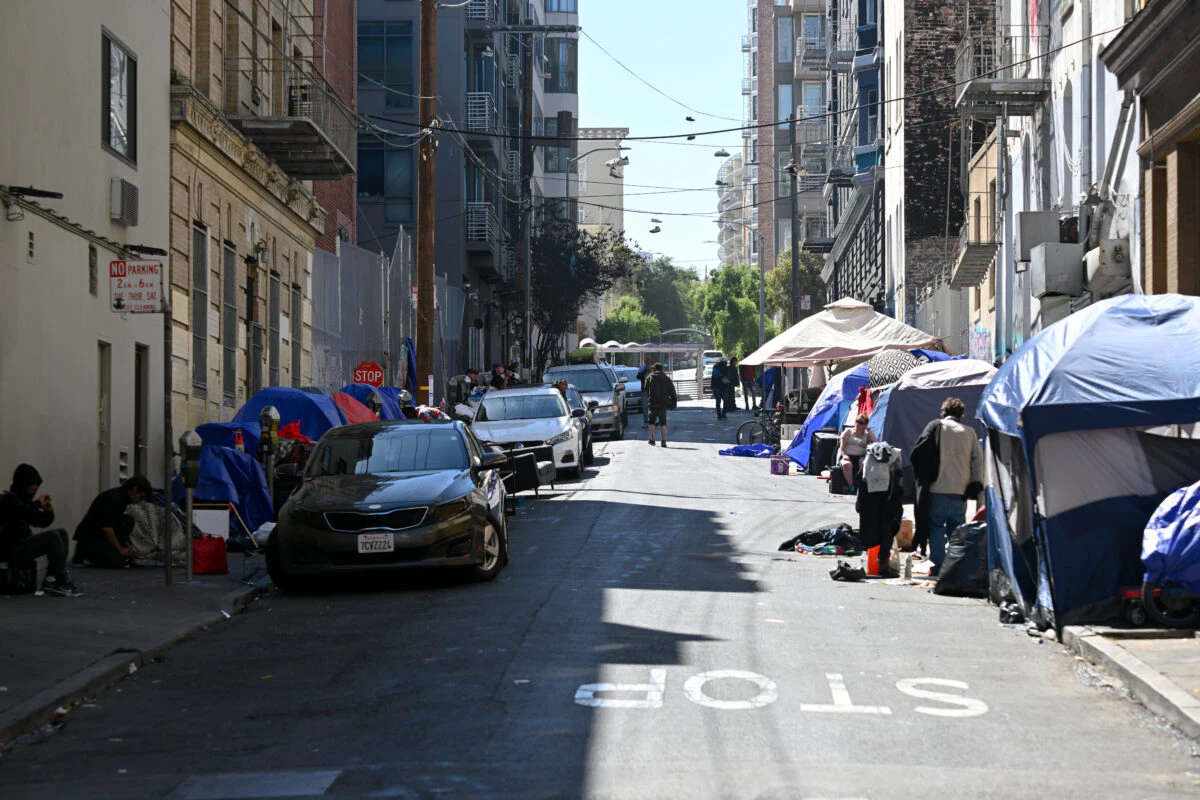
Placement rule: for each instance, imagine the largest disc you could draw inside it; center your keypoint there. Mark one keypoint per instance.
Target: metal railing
(1008, 54)
(814, 228)
(810, 52)
(512, 70)
(514, 166)
(482, 223)
(482, 11)
(480, 112)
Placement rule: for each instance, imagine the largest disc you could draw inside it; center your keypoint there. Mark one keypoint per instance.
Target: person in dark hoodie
(102, 536)
(21, 510)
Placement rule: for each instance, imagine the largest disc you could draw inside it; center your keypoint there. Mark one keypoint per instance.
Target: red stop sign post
(369, 372)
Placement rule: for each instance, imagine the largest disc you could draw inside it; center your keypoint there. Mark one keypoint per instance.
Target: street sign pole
(168, 442)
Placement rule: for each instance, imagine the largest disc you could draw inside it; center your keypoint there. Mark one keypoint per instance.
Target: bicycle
(764, 430)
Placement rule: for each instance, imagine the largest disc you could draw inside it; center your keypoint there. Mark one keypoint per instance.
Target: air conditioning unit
(123, 202)
(1033, 228)
(1056, 269)
(1108, 268)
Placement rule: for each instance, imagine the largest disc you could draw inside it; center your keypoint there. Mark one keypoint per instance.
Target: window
(119, 127)
(813, 30)
(385, 56)
(199, 309)
(273, 312)
(297, 319)
(783, 97)
(783, 39)
(562, 6)
(814, 98)
(229, 326)
(870, 115)
(562, 66)
(557, 159)
(387, 176)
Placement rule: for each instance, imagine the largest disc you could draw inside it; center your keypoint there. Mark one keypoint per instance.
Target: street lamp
(762, 278)
(613, 165)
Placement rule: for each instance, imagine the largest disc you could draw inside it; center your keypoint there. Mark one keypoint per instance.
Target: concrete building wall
(76, 404)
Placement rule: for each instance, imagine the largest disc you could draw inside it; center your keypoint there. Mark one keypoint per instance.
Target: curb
(40, 709)
(1147, 685)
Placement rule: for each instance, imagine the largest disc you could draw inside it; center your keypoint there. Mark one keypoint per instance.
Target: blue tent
(222, 434)
(1079, 460)
(829, 410)
(932, 355)
(227, 475)
(316, 413)
(362, 393)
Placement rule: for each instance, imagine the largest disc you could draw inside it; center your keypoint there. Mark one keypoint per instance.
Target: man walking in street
(732, 373)
(749, 386)
(720, 386)
(102, 537)
(19, 545)
(660, 397)
(948, 468)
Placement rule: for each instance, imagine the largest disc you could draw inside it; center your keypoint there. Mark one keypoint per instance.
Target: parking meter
(189, 471)
(268, 445)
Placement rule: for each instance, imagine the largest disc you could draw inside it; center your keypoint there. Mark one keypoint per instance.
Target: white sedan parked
(533, 416)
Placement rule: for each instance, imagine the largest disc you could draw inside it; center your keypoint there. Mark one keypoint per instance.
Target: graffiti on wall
(981, 344)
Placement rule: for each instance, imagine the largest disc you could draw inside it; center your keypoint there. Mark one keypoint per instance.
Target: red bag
(208, 556)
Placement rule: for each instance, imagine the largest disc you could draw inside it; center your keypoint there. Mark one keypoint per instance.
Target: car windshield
(585, 380)
(574, 399)
(499, 407)
(392, 451)
(627, 373)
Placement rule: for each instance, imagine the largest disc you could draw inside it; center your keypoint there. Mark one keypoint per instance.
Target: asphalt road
(647, 641)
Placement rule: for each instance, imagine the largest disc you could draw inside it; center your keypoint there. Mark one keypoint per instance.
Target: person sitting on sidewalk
(102, 537)
(20, 513)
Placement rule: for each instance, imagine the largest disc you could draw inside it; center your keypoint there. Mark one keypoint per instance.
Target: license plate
(376, 543)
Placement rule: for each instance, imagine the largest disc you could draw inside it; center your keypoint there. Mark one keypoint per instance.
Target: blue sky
(691, 50)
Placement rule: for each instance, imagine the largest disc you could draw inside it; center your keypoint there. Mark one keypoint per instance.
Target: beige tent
(846, 329)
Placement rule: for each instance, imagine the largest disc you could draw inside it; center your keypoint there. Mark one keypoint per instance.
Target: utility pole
(426, 206)
(527, 187)
(794, 170)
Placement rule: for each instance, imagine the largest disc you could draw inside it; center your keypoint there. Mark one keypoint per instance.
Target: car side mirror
(621, 384)
(287, 471)
(593, 404)
(489, 461)
(578, 413)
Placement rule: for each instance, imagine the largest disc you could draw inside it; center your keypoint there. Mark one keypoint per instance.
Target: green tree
(569, 268)
(779, 285)
(728, 305)
(665, 290)
(628, 322)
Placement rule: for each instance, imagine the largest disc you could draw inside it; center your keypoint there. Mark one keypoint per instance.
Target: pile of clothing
(840, 541)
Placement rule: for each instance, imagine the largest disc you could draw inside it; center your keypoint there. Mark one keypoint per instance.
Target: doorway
(141, 403)
(104, 414)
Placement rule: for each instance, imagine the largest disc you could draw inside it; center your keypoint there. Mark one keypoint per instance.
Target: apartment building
(785, 79)
(81, 382)
(601, 203)
(253, 124)
(497, 88)
(732, 202)
(1051, 219)
(1157, 58)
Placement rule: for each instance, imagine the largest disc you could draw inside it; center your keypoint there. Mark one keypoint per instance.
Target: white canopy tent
(846, 329)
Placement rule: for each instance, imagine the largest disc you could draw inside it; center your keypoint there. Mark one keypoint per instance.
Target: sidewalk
(1160, 668)
(56, 650)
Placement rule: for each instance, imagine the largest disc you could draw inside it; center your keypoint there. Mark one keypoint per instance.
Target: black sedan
(392, 495)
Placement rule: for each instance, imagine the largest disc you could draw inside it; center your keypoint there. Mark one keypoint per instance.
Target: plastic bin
(780, 465)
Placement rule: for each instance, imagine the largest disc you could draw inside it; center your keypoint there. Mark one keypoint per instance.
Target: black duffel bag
(964, 571)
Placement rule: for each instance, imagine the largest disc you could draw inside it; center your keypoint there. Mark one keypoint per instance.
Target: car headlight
(565, 436)
(606, 407)
(449, 510)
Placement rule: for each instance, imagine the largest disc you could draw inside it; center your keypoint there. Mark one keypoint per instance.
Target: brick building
(335, 28)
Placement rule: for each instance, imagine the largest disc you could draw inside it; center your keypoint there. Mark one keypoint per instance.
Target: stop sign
(369, 372)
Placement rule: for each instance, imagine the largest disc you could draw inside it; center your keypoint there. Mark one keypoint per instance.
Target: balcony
(482, 14)
(999, 73)
(484, 239)
(513, 167)
(839, 51)
(745, 43)
(512, 72)
(811, 53)
(745, 86)
(815, 236)
(306, 129)
(479, 113)
(842, 167)
(812, 130)
(974, 258)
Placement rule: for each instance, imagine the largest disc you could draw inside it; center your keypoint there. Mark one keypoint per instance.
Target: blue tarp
(1122, 363)
(362, 393)
(227, 475)
(316, 413)
(1171, 545)
(222, 434)
(749, 450)
(933, 355)
(829, 410)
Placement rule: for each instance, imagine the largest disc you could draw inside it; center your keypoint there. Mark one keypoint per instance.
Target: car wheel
(493, 552)
(283, 580)
(589, 455)
(576, 472)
